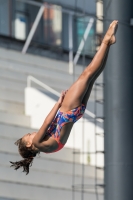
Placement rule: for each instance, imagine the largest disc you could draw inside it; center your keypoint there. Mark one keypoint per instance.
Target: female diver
(71, 105)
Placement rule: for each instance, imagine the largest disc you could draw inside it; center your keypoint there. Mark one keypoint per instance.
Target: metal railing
(31, 78)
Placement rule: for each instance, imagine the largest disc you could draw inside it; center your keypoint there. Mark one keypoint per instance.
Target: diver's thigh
(75, 94)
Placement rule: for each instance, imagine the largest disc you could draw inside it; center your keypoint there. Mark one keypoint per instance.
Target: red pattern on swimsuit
(61, 119)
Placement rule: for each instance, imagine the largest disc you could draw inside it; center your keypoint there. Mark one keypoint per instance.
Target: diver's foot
(109, 37)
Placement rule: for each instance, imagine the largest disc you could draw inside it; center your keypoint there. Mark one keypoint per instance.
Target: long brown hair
(28, 153)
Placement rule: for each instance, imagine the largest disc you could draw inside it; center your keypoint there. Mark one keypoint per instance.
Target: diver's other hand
(61, 98)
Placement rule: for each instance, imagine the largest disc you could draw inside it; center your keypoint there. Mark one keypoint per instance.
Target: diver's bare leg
(77, 91)
(88, 92)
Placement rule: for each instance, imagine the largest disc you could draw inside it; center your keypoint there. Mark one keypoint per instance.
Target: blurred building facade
(17, 18)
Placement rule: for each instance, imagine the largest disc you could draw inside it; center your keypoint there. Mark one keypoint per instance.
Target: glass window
(4, 17)
(89, 47)
(20, 6)
(53, 25)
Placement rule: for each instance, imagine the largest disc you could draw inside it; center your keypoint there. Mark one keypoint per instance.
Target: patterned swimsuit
(61, 119)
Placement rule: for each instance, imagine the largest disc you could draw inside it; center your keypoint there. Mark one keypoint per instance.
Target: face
(28, 138)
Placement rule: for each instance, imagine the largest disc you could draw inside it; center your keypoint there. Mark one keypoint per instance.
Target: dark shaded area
(118, 104)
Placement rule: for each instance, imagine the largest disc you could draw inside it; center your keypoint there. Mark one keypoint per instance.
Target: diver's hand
(61, 98)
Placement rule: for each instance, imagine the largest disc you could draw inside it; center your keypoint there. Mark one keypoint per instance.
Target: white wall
(38, 105)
